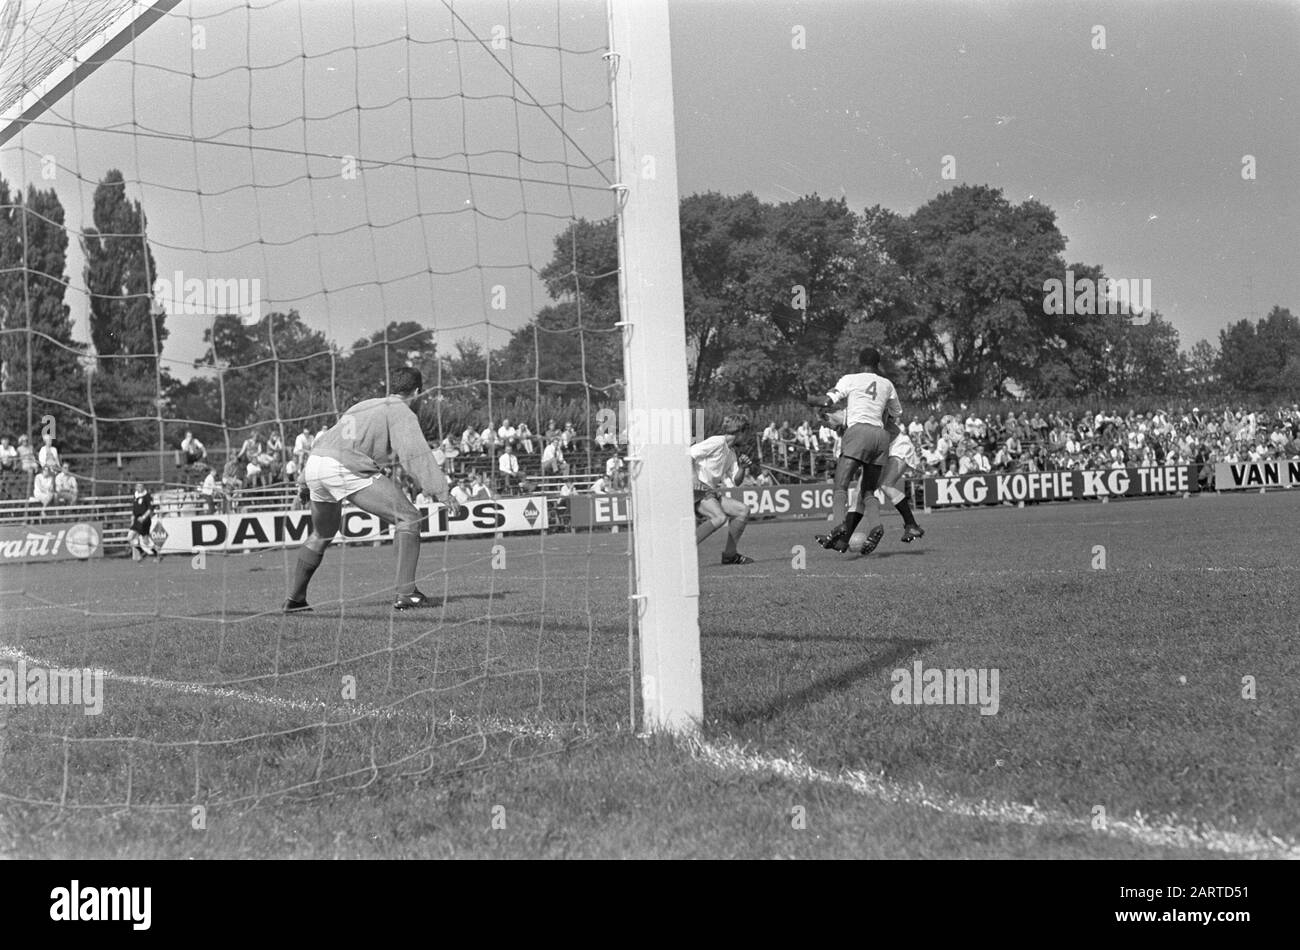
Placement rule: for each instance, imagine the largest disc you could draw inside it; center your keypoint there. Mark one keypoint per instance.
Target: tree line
(777, 297)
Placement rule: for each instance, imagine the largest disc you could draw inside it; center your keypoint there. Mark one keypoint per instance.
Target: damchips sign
(274, 529)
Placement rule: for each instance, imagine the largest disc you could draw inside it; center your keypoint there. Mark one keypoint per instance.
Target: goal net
(221, 225)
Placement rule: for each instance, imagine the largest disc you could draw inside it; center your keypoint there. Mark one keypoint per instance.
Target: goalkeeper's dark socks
(303, 569)
(905, 509)
(851, 521)
(408, 556)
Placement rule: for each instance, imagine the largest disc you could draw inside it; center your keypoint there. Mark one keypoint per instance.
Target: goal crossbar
(23, 100)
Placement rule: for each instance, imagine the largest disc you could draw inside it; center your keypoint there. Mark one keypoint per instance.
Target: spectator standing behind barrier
(65, 486)
(8, 468)
(48, 456)
(488, 437)
(26, 457)
(461, 491)
(302, 444)
(275, 449)
(248, 453)
(231, 482)
(786, 442)
(208, 491)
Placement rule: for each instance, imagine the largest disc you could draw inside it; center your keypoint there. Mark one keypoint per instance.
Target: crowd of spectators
(39, 477)
(510, 459)
(960, 443)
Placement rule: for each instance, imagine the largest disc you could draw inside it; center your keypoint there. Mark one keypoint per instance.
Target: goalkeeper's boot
(736, 558)
(837, 540)
(414, 599)
(873, 539)
(292, 606)
(912, 532)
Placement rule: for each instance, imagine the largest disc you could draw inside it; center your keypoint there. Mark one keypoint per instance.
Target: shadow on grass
(893, 651)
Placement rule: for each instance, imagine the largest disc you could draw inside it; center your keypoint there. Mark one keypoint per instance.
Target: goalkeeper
(346, 463)
(715, 461)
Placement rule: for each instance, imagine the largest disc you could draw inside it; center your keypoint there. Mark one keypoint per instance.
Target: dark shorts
(704, 493)
(867, 443)
(141, 525)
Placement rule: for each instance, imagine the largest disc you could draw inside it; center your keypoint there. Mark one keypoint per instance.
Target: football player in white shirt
(715, 460)
(869, 400)
(903, 461)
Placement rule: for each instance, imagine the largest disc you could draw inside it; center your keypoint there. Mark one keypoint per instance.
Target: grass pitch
(1127, 637)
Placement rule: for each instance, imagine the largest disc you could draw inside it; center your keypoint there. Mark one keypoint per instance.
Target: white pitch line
(540, 730)
(1158, 834)
(1042, 572)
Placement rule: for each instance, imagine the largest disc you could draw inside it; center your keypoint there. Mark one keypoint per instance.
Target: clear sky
(1138, 146)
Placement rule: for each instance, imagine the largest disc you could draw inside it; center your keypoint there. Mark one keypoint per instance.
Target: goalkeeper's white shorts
(329, 480)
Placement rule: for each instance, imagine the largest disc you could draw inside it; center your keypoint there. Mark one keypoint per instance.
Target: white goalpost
(666, 599)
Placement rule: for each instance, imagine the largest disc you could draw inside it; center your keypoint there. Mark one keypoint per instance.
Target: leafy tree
(36, 323)
(1260, 358)
(119, 276)
(364, 371)
(128, 331)
(978, 265)
(276, 370)
(1150, 363)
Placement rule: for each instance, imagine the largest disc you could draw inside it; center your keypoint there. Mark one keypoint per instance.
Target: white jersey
(714, 461)
(869, 396)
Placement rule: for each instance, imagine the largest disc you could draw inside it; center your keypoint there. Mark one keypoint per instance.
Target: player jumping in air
(137, 536)
(345, 464)
(715, 460)
(869, 398)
